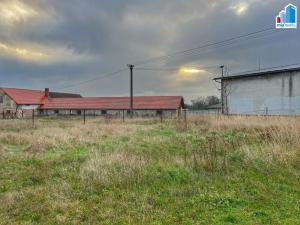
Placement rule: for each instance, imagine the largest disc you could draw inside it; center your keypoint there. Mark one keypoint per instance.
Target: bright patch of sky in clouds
(56, 43)
(240, 8)
(14, 11)
(38, 53)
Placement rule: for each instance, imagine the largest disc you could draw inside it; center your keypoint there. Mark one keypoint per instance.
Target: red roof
(34, 97)
(114, 103)
(24, 96)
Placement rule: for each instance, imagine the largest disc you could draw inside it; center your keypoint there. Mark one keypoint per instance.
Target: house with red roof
(14, 101)
(18, 102)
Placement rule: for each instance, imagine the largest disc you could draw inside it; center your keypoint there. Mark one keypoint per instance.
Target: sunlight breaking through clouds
(14, 11)
(240, 8)
(190, 74)
(31, 52)
(191, 71)
(21, 52)
(74, 40)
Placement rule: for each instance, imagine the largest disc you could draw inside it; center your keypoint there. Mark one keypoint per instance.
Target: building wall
(6, 104)
(144, 113)
(12, 110)
(277, 94)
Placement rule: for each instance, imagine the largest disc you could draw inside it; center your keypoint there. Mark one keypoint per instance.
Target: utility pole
(222, 91)
(131, 89)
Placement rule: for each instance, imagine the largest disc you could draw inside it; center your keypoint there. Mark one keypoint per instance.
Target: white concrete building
(275, 92)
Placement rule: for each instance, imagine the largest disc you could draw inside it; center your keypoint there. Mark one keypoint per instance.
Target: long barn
(19, 102)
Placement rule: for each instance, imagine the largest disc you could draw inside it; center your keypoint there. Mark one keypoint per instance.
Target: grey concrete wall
(277, 94)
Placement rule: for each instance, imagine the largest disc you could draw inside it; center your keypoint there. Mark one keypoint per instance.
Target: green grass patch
(154, 175)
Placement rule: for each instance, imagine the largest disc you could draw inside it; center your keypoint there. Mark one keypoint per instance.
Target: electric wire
(94, 79)
(191, 51)
(210, 44)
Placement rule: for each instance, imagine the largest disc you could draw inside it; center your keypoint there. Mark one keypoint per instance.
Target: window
(1, 99)
(159, 112)
(103, 112)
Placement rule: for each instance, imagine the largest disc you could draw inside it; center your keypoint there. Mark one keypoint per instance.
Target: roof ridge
(258, 72)
(133, 96)
(22, 89)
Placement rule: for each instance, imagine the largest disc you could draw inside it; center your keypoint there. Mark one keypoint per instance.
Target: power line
(218, 46)
(157, 69)
(197, 53)
(210, 44)
(186, 52)
(174, 69)
(94, 79)
(118, 72)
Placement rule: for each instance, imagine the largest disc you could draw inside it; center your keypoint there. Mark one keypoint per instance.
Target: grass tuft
(212, 170)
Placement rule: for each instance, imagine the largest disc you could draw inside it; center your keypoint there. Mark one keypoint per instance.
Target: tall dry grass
(270, 139)
(212, 163)
(61, 133)
(121, 152)
(114, 168)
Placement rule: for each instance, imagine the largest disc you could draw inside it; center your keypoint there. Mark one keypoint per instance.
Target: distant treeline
(203, 102)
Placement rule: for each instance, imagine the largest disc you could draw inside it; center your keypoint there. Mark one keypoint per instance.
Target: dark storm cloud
(97, 37)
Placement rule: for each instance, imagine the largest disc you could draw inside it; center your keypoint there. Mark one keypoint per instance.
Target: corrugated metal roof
(114, 103)
(258, 73)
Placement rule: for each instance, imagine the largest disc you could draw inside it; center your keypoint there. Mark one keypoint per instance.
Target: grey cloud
(114, 33)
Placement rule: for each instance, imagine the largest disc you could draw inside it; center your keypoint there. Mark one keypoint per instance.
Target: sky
(61, 44)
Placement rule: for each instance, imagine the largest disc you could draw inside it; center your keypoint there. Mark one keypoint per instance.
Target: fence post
(84, 116)
(185, 118)
(33, 117)
(123, 116)
(161, 116)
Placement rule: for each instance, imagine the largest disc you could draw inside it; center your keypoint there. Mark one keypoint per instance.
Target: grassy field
(218, 170)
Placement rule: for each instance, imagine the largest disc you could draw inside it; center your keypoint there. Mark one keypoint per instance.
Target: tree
(203, 102)
(212, 100)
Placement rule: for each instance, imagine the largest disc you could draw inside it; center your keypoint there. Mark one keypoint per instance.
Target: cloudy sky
(61, 43)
